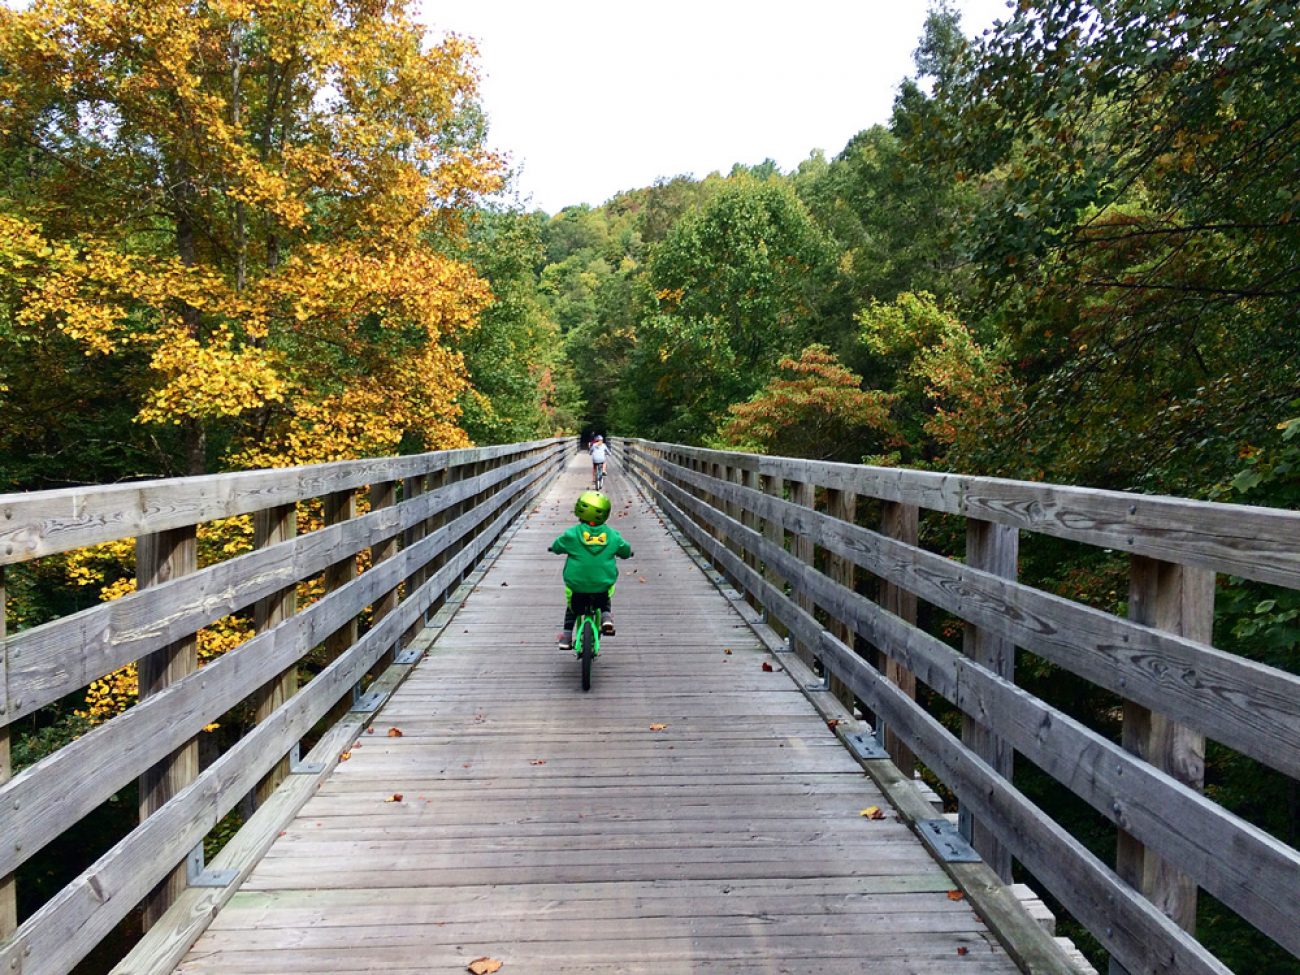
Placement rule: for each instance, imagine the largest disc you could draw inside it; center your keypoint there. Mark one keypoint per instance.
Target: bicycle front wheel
(585, 647)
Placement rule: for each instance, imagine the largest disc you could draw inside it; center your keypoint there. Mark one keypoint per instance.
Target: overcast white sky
(589, 98)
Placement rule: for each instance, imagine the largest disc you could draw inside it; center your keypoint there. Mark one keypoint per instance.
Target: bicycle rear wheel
(585, 646)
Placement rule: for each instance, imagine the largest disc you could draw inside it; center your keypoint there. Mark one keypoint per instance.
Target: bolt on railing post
(992, 548)
(1178, 599)
(901, 522)
(160, 558)
(270, 527)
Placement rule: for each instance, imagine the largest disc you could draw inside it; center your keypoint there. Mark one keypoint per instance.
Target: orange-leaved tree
(815, 407)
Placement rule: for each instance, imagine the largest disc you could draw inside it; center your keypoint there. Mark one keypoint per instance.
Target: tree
(737, 285)
(814, 408)
(239, 202)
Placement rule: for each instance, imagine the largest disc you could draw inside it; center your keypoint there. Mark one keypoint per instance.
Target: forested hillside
(240, 233)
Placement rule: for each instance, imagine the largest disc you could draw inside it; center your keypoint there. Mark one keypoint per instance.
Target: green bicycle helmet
(592, 507)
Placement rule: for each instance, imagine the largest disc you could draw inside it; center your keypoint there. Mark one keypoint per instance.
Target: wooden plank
(271, 527)
(1127, 925)
(1245, 705)
(665, 810)
(66, 928)
(43, 523)
(901, 522)
(992, 548)
(1253, 542)
(51, 661)
(1180, 600)
(58, 791)
(160, 558)
(1260, 881)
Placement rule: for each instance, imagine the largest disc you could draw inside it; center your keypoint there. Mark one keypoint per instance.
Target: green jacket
(591, 551)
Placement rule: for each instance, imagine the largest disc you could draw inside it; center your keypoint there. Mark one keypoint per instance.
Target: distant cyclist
(599, 454)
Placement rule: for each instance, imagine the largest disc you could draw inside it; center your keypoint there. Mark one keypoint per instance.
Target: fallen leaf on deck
(640, 578)
(833, 723)
(767, 667)
(394, 732)
(955, 895)
(538, 761)
(395, 797)
(505, 583)
(872, 812)
(726, 649)
(658, 727)
(345, 756)
(962, 949)
(484, 966)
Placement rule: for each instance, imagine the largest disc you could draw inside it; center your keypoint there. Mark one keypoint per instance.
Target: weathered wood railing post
(754, 481)
(8, 887)
(774, 486)
(413, 487)
(992, 548)
(1179, 599)
(802, 493)
(270, 527)
(338, 508)
(842, 505)
(383, 495)
(901, 522)
(159, 558)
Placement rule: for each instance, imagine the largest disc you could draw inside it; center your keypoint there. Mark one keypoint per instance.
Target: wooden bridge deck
(557, 832)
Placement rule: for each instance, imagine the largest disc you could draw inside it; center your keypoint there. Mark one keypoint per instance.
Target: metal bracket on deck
(865, 746)
(196, 876)
(942, 837)
(298, 767)
(408, 656)
(367, 702)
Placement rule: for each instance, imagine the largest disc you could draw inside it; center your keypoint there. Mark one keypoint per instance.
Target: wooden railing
(431, 518)
(787, 532)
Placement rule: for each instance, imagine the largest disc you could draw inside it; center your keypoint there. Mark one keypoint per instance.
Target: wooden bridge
(423, 783)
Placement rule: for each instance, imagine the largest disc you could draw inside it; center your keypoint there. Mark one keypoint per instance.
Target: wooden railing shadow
(431, 518)
(786, 532)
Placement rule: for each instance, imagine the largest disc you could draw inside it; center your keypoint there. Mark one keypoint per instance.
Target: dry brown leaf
(955, 895)
(394, 732)
(344, 756)
(833, 723)
(640, 578)
(767, 667)
(658, 727)
(962, 949)
(395, 797)
(484, 966)
(726, 650)
(872, 812)
(538, 761)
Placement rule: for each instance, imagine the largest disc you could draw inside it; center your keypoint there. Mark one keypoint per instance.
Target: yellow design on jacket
(591, 539)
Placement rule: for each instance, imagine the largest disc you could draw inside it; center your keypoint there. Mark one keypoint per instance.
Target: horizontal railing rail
(432, 517)
(755, 517)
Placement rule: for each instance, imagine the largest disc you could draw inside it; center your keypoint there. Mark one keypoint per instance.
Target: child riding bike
(590, 569)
